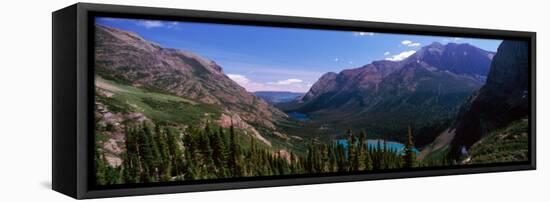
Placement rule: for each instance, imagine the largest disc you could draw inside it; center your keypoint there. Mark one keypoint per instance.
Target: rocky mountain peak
(457, 58)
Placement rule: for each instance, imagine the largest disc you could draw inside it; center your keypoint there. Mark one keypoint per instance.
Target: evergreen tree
(165, 166)
(410, 155)
(190, 170)
(175, 153)
(218, 152)
(324, 159)
(352, 154)
(207, 163)
(234, 162)
(131, 162)
(341, 158)
(361, 152)
(332, 158)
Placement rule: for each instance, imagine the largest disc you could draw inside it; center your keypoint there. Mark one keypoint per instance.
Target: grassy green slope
(509, 144)
(160, 107)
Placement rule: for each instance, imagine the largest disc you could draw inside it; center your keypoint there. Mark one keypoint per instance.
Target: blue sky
(282, 59)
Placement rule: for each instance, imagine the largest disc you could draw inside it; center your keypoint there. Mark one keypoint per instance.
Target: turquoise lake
(299, 116)
(373, 143)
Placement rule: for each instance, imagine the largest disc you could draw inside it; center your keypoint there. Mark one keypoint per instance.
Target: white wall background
(25, 103)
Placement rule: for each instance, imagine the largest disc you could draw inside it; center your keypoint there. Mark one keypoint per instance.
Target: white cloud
(451, 39)
(150, 23)
(261, 77)
(240, 79)
(275, 71)
(287, 82)
(156, 24)
(293, 85)
(248, 84)
(336, 59)
(410, 43)
(363, 33)
(110, 19)
(350, 62)
(401, 56)
(386, 53)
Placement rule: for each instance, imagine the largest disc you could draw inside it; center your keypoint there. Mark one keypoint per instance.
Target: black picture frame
(73, 93)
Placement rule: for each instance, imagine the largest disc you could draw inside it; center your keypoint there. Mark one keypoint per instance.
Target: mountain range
(384, 97)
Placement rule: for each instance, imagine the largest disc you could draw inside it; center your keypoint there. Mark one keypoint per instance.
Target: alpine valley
(164, 114)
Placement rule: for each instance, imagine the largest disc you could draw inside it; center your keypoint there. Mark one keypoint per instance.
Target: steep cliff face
(127, 58)
(501, 101)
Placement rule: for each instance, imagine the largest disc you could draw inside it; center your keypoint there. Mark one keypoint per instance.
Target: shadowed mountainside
(502, 100)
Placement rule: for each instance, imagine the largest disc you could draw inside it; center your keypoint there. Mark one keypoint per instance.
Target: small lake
(373, 143)
(299, 116)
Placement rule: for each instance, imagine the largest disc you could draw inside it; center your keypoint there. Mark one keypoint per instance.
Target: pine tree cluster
(158, 154)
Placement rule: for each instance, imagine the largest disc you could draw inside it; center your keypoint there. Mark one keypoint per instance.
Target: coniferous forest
(156, 154)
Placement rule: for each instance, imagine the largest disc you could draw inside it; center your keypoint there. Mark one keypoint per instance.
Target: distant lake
(373, 143)
(299, 116)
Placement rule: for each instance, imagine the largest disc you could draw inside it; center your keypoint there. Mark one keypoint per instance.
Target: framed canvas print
(154, 100)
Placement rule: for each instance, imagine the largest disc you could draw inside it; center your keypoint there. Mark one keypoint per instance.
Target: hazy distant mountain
(127, 58)
(386, 96)
(275, 97)
(501, 101)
